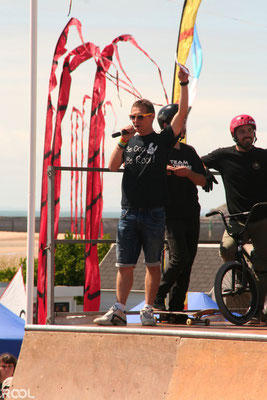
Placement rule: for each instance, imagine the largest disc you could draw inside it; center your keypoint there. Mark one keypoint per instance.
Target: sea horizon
(64, 213)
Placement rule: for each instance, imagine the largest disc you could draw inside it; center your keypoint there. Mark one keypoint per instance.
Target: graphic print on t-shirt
(180, 163)
(146, 154)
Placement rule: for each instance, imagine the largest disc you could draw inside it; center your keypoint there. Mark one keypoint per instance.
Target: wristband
(122, 143)
(184, 83)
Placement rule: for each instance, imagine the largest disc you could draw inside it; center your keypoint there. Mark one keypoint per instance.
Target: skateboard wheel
(207, 321)
(189, 321)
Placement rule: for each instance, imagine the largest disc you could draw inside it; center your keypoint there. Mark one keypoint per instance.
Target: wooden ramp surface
(130, 364)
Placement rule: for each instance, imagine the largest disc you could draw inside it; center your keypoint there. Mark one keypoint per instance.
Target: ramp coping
(151, 331)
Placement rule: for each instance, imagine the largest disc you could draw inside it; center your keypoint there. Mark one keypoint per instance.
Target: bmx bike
(236, 285)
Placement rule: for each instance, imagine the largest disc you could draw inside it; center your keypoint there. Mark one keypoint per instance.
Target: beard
(246, 144)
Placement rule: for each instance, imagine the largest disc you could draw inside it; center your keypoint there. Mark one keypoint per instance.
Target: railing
(51, 241)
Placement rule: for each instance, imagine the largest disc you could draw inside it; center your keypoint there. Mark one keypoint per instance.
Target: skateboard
(188, 317)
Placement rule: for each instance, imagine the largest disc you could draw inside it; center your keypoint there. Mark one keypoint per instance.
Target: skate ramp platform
(127, 363)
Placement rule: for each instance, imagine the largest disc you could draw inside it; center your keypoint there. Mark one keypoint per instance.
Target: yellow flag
(185, 38)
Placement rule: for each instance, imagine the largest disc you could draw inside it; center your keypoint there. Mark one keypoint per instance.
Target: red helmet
(239, 120)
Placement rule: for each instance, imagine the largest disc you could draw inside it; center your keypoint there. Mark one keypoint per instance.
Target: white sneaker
(114, 316)
(147, 317)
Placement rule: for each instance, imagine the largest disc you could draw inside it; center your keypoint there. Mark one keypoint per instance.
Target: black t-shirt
(144, 179)
(182, 192)
(244, 176)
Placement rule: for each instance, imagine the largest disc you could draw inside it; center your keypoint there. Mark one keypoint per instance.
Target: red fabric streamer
(108, 103)
(41, 284)
(52, 152)
(74, 223)
(129, 38)
(86, 97)
(71, 173)
(94, 200)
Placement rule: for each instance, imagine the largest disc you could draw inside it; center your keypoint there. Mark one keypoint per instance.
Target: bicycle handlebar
(219, 212)
(224, 216)
(215, 212)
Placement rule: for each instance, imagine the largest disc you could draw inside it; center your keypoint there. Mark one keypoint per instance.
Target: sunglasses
(138, 116)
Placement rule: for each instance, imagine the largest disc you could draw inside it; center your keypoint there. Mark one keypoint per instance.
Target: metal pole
(32, 163)
(50, 319)
(190, 333)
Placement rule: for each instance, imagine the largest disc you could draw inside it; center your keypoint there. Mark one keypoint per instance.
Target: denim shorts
(137, 229)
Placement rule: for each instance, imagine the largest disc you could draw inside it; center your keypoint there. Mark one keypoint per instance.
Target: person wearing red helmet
(244, 137)
(243, 168)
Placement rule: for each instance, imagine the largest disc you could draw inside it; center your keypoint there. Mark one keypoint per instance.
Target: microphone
(116, 134)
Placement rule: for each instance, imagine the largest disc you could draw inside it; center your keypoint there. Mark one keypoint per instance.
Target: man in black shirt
(243, 168)
(184, 172)
(144, 154)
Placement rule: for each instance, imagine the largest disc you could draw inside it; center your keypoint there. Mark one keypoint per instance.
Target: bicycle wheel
(237, 303)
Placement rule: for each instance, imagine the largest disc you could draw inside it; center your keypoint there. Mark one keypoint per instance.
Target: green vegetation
(7, 274)
(69, 261)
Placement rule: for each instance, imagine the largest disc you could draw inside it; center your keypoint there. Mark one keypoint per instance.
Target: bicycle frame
(242, 254)
(236, 287)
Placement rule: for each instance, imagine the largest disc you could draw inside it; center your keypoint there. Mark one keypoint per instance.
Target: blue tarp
(11, 331)
(200, 301)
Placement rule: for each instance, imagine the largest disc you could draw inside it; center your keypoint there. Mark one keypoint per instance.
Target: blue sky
(233, 79)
